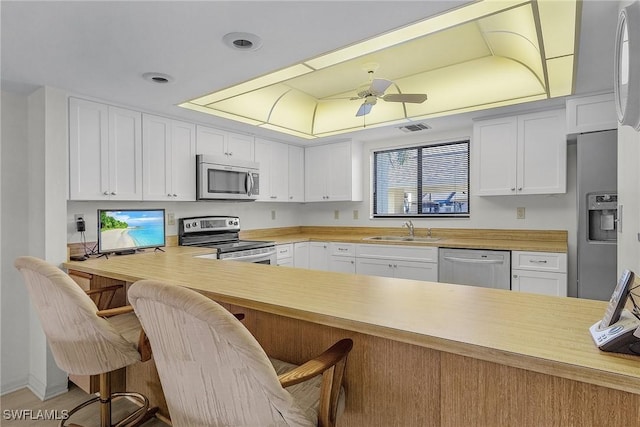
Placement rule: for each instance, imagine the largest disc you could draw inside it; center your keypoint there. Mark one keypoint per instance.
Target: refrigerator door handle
(619, 219)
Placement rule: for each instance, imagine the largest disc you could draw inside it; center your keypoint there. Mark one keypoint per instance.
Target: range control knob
(194, 224)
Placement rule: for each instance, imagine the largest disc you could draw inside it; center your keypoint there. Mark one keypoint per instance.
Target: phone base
(619, 337)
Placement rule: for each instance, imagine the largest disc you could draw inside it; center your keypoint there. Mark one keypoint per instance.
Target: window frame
(374, 172)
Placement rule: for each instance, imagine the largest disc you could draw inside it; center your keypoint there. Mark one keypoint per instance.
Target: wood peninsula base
(424, 353)
(391, 383)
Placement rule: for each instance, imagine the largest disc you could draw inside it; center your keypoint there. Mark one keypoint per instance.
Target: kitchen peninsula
(425, 354)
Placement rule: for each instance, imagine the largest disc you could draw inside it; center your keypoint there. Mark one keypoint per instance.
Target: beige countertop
(515, 240)
(533, 332)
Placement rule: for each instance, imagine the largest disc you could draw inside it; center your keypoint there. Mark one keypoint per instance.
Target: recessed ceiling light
(158, 78)
(242, 41)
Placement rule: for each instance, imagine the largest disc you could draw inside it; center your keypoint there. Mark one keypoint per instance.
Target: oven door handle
(250, 257)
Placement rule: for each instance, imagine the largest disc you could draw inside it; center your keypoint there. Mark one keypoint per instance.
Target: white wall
(14, 227)
(252, 214)
(33, 191)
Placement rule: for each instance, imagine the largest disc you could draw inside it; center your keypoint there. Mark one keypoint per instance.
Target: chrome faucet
(409, 225)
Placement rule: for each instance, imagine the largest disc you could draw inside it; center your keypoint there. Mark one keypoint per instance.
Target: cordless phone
(615, 332)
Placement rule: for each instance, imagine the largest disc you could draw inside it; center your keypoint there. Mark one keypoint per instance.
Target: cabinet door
(416, 270)
(375, 267)
(210, 141)
(125, 154)
(263, 157)
(296, 173)
(301, 254)
(315, 182)
(88, 150)
(274, 176)
(183, 161)
(240, 146)
(156, 143)
(342, 264)
(542, 153)
(539, 282)
(319, 256)
(495, 144)
(279, 172)
(338, 165)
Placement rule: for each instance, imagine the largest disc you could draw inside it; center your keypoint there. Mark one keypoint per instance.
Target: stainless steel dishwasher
(489, 269)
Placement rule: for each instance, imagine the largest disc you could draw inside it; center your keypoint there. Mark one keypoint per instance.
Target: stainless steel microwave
(221, 178)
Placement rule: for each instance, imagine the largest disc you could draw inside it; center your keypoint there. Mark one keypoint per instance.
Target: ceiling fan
(375, 90)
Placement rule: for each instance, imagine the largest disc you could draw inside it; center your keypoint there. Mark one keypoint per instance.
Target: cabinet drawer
(284, 251)
(539, 261)
(343, 249)
(406, 253)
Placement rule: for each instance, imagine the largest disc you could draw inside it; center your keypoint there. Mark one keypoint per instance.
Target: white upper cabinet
(591, 113)
(217, 142)
(333, 172)
(169, 159)
(105, 152)
(296, 173)
(273, 158)
(524, 154)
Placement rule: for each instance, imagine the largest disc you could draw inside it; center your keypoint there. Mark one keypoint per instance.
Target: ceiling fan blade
(379, 85)
(364, 109)
(415, 98)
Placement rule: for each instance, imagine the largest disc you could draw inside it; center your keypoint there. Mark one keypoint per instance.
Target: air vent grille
(414, 127)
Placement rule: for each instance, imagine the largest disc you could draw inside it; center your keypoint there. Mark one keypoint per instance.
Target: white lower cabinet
(342, 257)
(402, 262)
(539, 273)
(284, 254)
(319, 255)
(301, 255)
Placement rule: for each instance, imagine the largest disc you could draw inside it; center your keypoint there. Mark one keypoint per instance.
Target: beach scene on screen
(131, 229)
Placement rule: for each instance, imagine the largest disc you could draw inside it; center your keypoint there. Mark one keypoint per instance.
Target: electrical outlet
(355, 214)
(336, 214)
(171, 218)
(79, 220)
(273, 214)
(520, 213)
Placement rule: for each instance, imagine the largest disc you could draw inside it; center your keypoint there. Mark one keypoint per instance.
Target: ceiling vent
(414, 127)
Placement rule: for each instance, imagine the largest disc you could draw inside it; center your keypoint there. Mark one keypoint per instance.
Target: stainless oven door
(264, 256)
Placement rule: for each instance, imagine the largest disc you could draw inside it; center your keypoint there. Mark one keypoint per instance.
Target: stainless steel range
(221, 233)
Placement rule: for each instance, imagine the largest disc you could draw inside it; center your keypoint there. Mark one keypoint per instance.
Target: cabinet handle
(168, 194)
(230, 153)
(175, 195)
(513, 188)
(519, 188)
(290, 197)
(113, 193)
(106, 193)
(390, 266)
(274, 197)
(395, 265)
(538, 261)
(515, 276)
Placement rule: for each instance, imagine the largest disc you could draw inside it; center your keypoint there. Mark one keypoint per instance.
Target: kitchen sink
(403, 238)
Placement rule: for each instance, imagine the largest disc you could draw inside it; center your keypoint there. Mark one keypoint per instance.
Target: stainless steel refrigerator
(597, 214)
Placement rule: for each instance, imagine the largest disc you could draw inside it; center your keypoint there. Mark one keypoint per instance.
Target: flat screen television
(123, 231)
